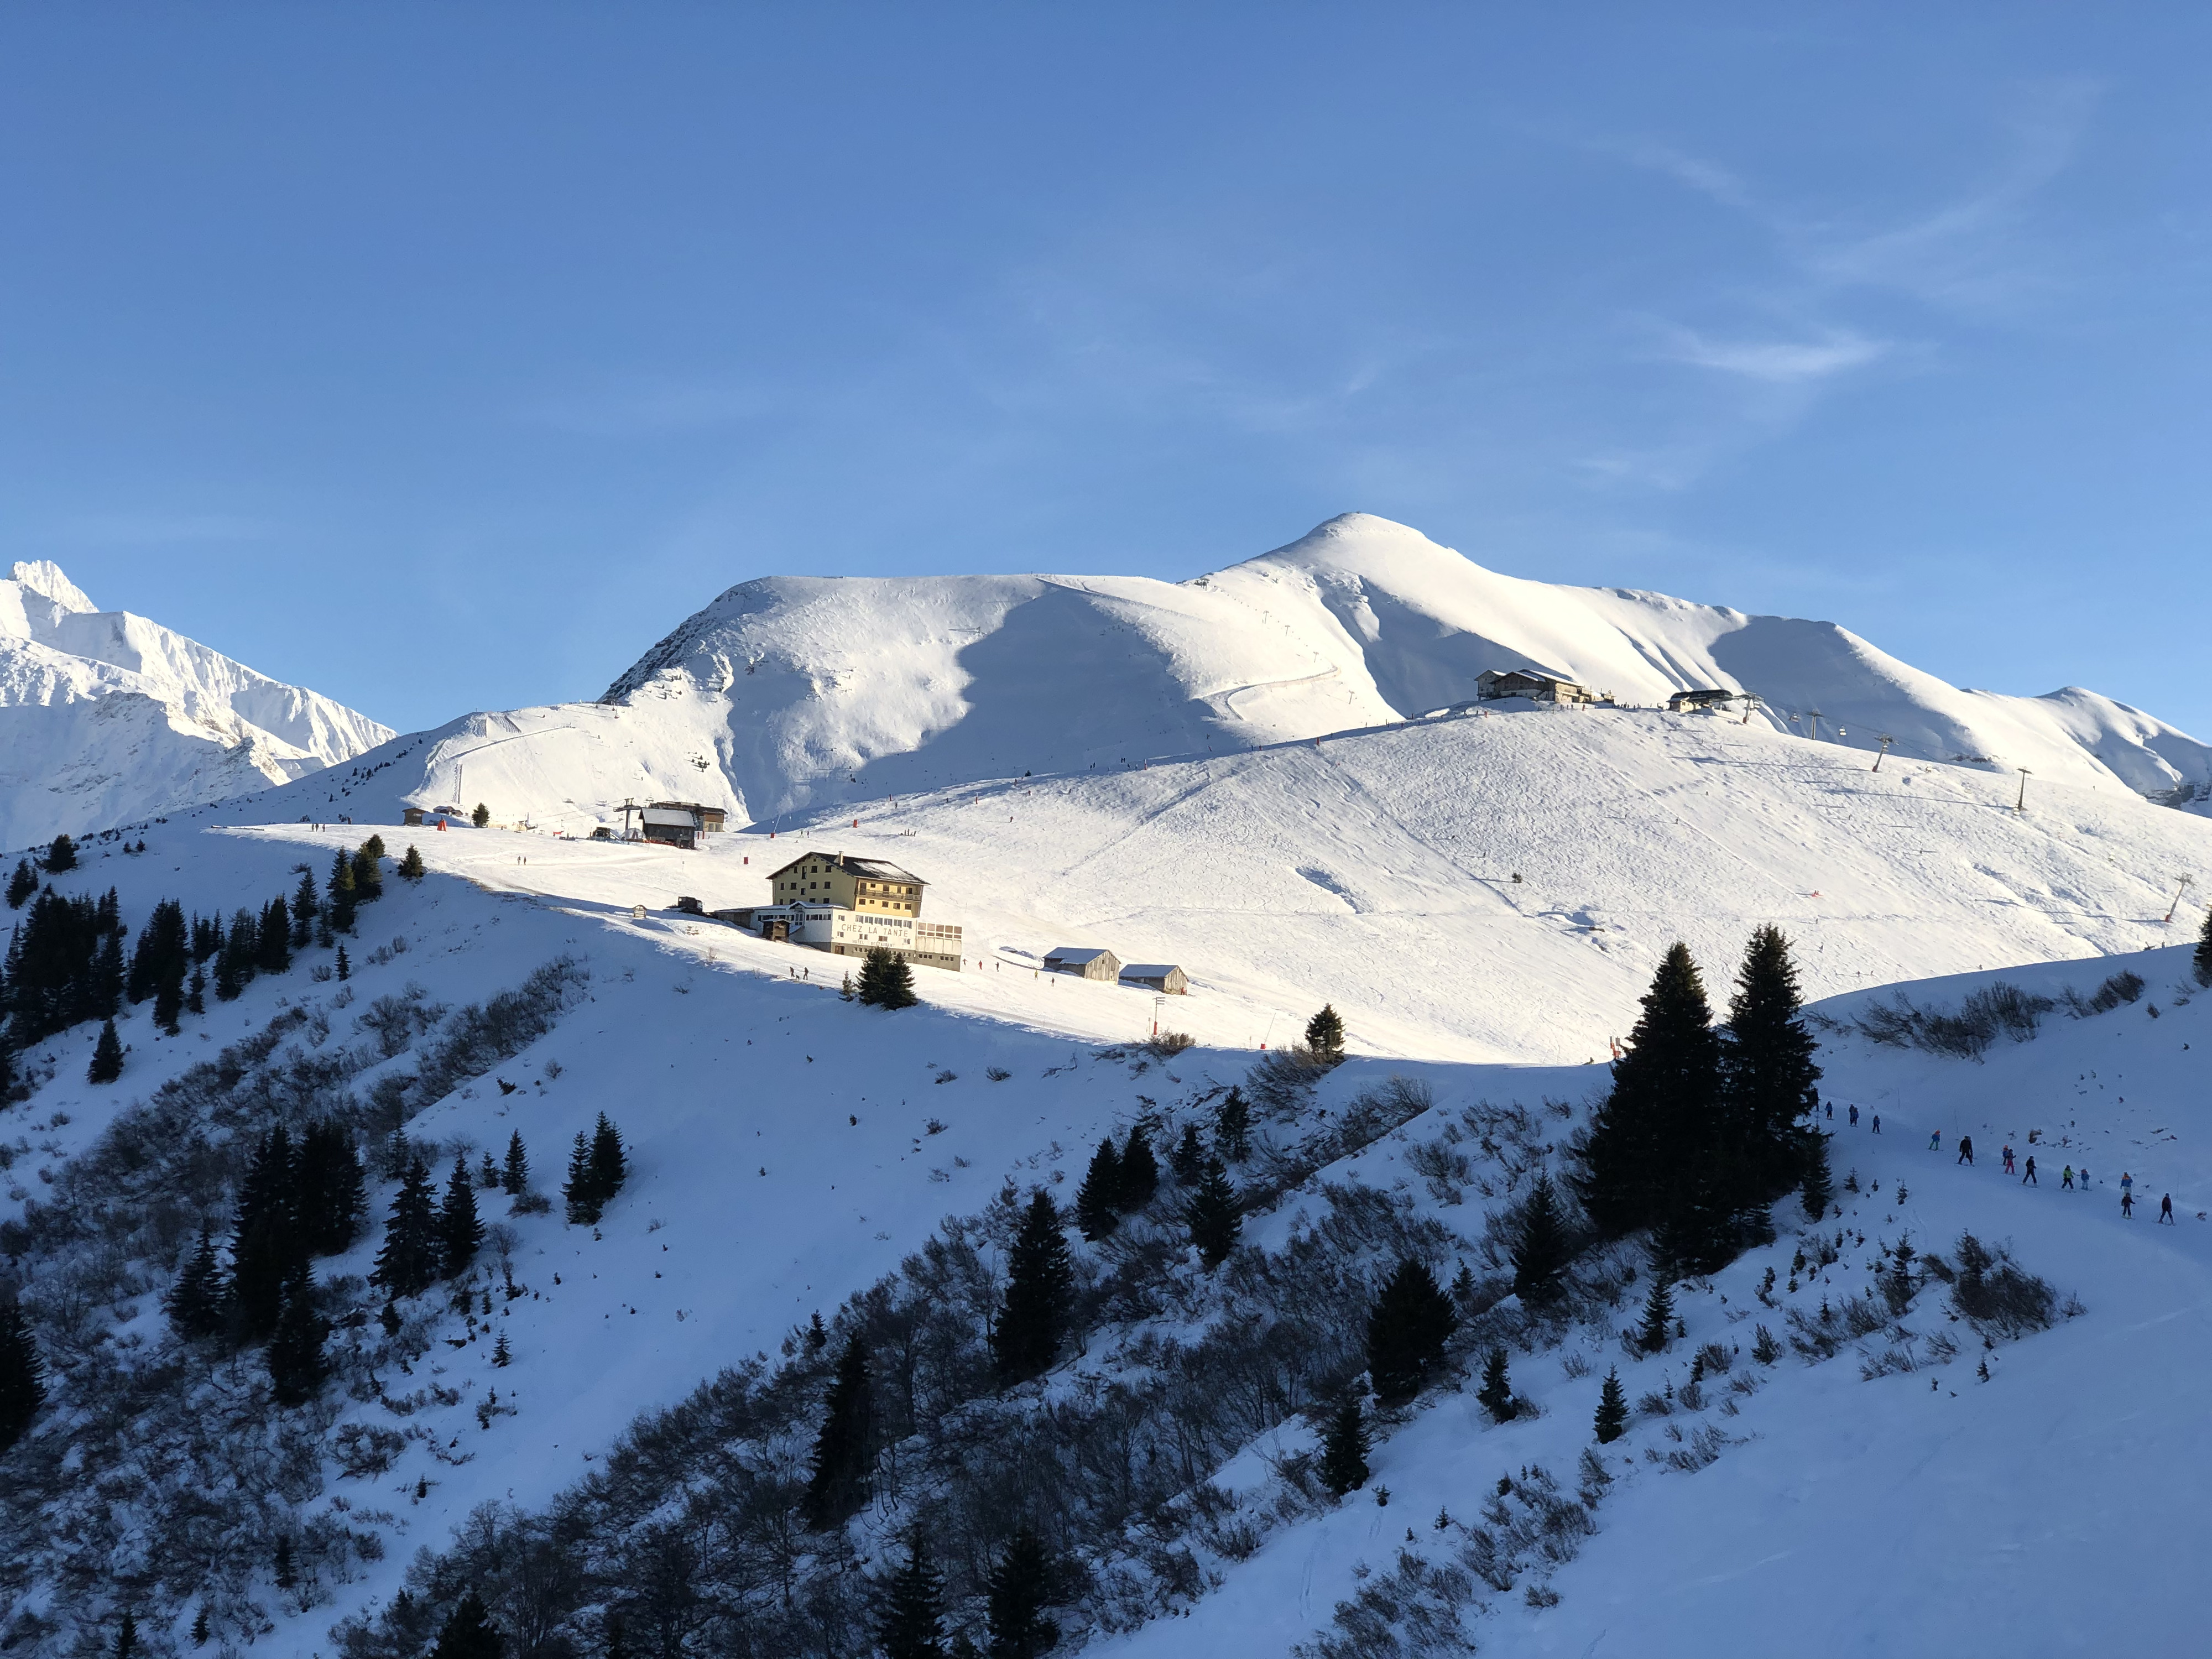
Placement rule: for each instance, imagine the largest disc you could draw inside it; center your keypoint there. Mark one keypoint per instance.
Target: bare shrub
(1998, 1295)
(1166, 1045)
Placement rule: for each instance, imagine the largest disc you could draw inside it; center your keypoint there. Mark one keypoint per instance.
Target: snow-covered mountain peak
(44, 577)
(108, 718)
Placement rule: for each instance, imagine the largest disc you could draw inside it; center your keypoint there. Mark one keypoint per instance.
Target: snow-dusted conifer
(107, 1056)
(342, 894)
(1232, 1128)
(266, 1246)
(21, 885)
(1767, 1072)
(1025, 1337)
(913, 1626)
(1097, 1200)
(460, 1230)
(1020, 1590)
(469, 1633)
(195, 1303)
(1539, 1245)
(1657, 1120)
(1325, 1034)
(844, 1451)
(297, 1365)
(610, 1164)
(407, 1261)
(411, 863)
(1141, 1170)
(22, 1375)
(2200, 960)
(61, 854)
(1657, 1329)
(1611, 1409)
(1189, 1159)
(1215, 1222)
(514, 1173)
(1411, 1321)
(1344, 1449)
(1496, 1393)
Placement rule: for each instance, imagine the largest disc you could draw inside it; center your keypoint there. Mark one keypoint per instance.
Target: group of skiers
(2027, 1176)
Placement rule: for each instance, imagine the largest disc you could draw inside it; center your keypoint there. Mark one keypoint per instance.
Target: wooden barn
(1164, 976)
(1084, 964)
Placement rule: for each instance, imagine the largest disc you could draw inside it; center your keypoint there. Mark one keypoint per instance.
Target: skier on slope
(2127, 1183)
(1966, 1151)
(1855, 1117)
(2166, 1210)
(2029, 1180)
(2127, 1207)
(2066, 1179)
(2008, 1158)
(1877, 1123)
(1935, 1141)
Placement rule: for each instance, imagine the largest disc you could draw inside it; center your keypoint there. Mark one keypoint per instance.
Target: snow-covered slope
(789, 692)
(106, 718)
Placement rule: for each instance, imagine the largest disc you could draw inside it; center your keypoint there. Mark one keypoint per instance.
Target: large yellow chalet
(856, 883)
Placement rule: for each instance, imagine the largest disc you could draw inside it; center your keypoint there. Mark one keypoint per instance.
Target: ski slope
(106, 718)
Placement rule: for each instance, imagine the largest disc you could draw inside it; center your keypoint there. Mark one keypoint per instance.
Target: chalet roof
(667, 817)
(1075, 953)
(1150, 969)
(1540, 674)
(867, 869)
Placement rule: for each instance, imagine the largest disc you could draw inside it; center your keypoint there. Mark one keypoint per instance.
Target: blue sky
(444, 357)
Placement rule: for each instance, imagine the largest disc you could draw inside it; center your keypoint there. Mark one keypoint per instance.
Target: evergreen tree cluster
(298, 1200)
(1411, 1321)
(21, 885)
(886, 981)
(2200, 960)
(1344, 1449)
(1119, 1182)
(426, 1240)
(1705, 1126)
(1325, 1035)
(63, 965)
(597, 1166)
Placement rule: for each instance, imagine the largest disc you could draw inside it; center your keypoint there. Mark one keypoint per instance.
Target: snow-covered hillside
(1482, 886)
(788, 693)
(790, 1148)
(106, 718)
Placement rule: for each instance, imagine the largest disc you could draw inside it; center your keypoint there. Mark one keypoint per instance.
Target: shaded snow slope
(106, 717)
(792, 692)
(1377, 870)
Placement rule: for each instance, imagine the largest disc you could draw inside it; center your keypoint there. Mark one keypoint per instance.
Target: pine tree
(459, 1230)
(610, 1164)
(2200, 960)
(1232, 1129)
(344, 896)
(408, 1260)
(411, 866)
(1541, 1246)
(368, 870)
(1215, 1222)
(1344, 1449)
(22, 1375)
(297, 1365)
(1189, 1159)
(844, 1451)
(1097, 1200)
(196, 995)
(169, 997)
(1658, 1326)
(886, 981)
(333, 1198)
(1767, 1073)
(913, 1624)
(481, 816)
(195, 1301)
(107, 1056)
(266, 1246)
(1818, 1189)
(1325, 1034)
(578, 1191)
(21, 885)
(61, 855)
(1659, 1119)
(1140, 1171)
(469, 1633)
(1411, 1321)
(305, 906)
(202, 1627)
(1026, 1335)
(514, 1175)
(1020, 1589)
(1611, 1409)
(488, 1174)
(126, 1637)
(346, 967)
(106, 997)
(273, 954)
(1496, 1393)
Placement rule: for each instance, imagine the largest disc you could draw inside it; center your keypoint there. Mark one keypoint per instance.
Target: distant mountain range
(106, 718)
(793, 694)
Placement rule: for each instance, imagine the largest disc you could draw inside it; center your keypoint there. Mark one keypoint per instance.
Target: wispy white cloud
(1706, 178)
(1779, 362)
